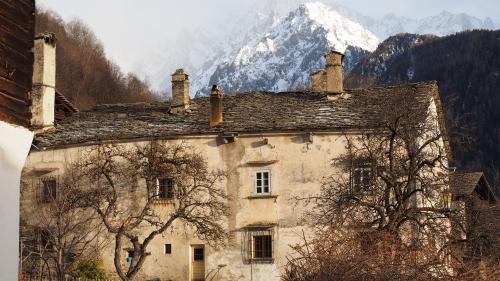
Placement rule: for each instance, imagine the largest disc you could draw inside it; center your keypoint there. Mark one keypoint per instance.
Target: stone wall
(297, 166)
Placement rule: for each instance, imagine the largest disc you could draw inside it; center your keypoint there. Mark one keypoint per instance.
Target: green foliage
(91, 269)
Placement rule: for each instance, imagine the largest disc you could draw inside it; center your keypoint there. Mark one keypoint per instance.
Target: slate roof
(464, 183)
(253, 112)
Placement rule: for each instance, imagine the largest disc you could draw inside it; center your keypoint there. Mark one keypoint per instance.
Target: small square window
(263, 182)
(168, 248)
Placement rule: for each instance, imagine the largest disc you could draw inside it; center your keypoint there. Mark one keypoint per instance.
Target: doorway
(198, 262)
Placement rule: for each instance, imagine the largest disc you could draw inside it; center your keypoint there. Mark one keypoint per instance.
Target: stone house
(274, 147)
(473, 193)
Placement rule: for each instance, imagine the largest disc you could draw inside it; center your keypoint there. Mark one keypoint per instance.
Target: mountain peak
(283, 58)
(340, 31)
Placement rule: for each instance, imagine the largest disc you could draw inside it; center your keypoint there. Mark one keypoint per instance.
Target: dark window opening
(168, 248)
(49, 190)
(166, 188)
(263, 247)
(43, 238)
(198, 254)
(362, 179)
(130, 255)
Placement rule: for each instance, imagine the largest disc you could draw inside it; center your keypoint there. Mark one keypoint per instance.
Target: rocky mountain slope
(467, 68)
(201, 52)
(376, 63)
(285, 56)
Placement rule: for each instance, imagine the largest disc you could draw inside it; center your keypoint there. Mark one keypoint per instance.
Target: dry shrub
(364, 255)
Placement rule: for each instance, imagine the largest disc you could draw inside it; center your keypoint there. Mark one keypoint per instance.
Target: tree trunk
(117, 258)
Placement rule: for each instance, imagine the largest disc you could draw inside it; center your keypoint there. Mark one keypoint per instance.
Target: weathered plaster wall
(297, 167)
(15, 142)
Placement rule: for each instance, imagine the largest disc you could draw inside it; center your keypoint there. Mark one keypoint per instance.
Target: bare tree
(126, 182)
(392, 183)
(58, 232)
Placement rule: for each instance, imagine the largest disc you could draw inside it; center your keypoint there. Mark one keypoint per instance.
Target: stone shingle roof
(464, 183)
(252, 112)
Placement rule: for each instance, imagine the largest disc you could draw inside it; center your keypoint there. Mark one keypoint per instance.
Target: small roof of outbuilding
(465, 183)
(253, 112)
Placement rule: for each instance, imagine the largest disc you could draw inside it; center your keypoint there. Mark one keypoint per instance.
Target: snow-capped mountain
(211, 54)
(444, 23)
(200, 51)
(284, 58)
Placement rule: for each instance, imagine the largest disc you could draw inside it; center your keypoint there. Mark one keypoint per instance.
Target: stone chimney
(334, 82)
(216, 106)
(318, 80)
(180, 92)
(44, 81)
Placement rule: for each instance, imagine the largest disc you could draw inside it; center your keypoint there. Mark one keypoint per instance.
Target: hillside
(467, 68)
(83, 73)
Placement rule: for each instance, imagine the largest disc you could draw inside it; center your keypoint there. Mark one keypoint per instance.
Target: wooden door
(198, 262)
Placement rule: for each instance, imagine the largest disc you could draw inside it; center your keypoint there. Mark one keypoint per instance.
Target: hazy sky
(130, 28)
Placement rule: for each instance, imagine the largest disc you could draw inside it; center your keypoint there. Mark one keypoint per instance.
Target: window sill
(163, 201)
(263, 260)
(261, 162)
(266, 196)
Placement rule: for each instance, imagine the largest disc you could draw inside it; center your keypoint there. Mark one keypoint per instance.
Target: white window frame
(269, 182)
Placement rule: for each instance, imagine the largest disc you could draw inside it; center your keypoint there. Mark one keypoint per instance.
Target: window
(262, 247)
(43, 238)
(263, 182)
(447, 199)
(165, 188)
(48, 190)
(168, 248)
(130, 255)
(257, 244)
(361, 178)
(198, 254)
